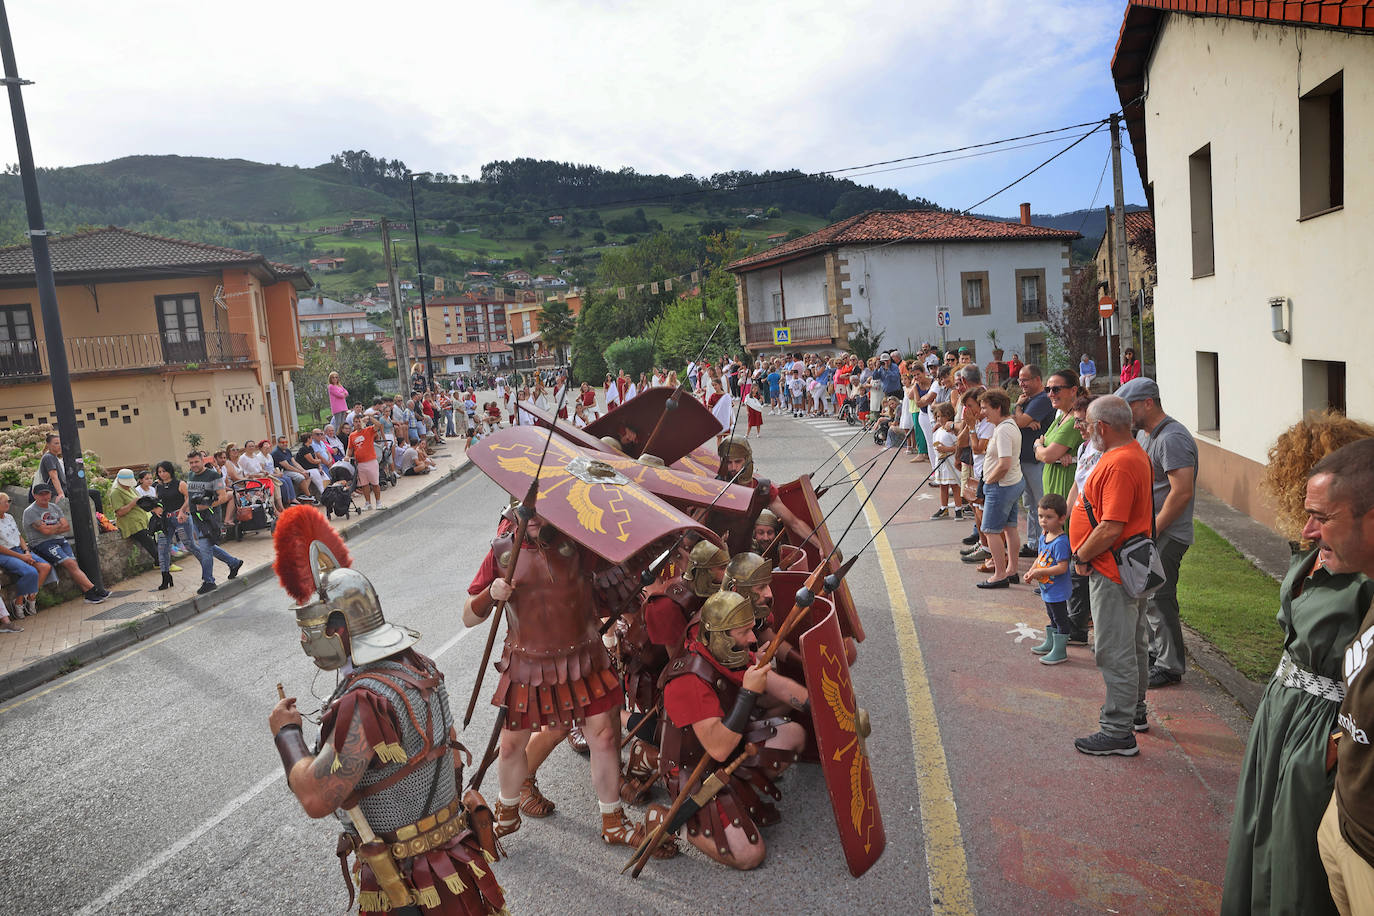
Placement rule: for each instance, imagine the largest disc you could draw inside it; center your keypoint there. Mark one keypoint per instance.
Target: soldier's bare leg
(512, 766)
(791, 737)
(602, 738)
(541, 744)
(744, 855)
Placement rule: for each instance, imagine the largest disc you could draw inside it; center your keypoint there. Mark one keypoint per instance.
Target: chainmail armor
(404, 802)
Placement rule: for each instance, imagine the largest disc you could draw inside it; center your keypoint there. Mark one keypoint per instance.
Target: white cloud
(685, 87)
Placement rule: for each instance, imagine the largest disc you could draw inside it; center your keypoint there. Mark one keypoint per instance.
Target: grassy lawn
(1230, 603)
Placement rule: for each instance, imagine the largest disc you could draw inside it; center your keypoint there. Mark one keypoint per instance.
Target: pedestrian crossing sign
(782, 335)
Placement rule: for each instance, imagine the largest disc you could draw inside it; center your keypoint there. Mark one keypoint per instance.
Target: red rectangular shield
(675, 433)
(800, 497)
(841, 729)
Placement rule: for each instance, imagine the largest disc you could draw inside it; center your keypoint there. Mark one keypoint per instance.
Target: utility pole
(64, 405)
(1123, 280)
(398, 324)
(420, 272)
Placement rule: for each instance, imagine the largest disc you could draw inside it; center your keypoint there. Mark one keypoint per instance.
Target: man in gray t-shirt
(1173, 453)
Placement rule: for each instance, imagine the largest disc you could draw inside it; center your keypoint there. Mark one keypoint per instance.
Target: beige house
(163, 338)
(1252, 131)
(1140, 273)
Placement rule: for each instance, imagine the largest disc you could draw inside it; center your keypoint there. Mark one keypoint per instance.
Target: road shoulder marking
(943, 840)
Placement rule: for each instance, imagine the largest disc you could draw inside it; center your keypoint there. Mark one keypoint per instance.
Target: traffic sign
(942, 317)
(782, 336)
(1106, 306)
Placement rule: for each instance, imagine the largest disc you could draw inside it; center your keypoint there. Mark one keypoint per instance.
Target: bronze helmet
(744, 575)
(736, 448)
(705, 556)
(723, 612)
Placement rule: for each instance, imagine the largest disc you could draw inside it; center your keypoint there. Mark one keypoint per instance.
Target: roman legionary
(648, 640)
(387, 751)
(555, 670)
(767, 527)
(709, 697)
(737, 458)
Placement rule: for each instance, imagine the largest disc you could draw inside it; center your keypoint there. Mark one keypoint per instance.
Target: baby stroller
(337, 498)
(254, 508)
(386, 471)
(880, 430)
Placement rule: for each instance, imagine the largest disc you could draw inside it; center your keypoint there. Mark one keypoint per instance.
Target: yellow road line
(204, 618)
(951, 893)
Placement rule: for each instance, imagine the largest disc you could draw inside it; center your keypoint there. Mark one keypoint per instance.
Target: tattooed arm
(785, 690)
(324, 781)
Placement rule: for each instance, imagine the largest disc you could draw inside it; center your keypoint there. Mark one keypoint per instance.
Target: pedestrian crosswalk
(836, 429)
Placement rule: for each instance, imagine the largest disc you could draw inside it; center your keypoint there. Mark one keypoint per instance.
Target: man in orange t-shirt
(362, 448)
(1119, 490)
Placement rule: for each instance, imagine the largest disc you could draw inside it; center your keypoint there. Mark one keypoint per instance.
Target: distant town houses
(327, 265)
(326, 322)
(360, 224)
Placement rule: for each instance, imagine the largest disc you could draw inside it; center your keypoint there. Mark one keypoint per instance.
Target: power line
(1013, 184)
(1093, 202)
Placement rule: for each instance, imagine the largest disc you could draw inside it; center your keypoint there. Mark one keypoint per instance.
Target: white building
(896, 271)
(1259, 162)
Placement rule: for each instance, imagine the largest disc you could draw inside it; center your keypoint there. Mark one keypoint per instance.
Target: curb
(120, 637)
(1208, 659)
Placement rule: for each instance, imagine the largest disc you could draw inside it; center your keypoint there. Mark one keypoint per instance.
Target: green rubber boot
(1048, 644)
(1059, 653)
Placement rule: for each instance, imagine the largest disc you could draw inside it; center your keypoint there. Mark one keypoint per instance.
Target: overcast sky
(697, 87)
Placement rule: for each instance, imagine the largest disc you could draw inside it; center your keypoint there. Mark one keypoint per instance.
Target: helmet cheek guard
(723, 612)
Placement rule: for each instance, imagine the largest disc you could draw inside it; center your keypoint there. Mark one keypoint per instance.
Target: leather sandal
(532, 801)
(618, 830)
(578, 741)
(641, 772)
(507, 818)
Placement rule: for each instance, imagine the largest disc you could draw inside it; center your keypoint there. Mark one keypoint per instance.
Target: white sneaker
(365, 507)
(379, 507)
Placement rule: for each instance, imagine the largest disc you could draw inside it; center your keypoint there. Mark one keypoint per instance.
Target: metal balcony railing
(805, 328)
(21, 359)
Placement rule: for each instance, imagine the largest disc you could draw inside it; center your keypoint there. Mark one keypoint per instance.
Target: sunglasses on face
(1055, 389)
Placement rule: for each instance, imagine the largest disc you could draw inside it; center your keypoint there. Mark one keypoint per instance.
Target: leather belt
(429, 832)
(1291, 674)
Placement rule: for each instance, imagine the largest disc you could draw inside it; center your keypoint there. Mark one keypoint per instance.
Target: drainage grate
(125, 611)
(124, 594)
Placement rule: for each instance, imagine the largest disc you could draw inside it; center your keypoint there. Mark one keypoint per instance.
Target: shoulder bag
(1137, 559)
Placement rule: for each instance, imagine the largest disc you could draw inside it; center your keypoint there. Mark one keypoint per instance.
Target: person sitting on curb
(17, 560)
(411, 461)
(45, 524)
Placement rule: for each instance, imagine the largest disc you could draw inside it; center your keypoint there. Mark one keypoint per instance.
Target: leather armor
(747, 801)
(642, 659)
(553, 665)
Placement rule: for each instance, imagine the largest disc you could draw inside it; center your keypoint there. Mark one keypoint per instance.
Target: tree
(685, 326)
(633, 354)
(599, 237)
(556, 327)
(1075, 325)
(864, 342)
(312, 381)
(360, 364)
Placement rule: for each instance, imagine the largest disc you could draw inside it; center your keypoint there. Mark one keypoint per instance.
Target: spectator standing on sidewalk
(338, 400)
(18, 560)
(206, 497)
(1003, 482)
(1057, 451)
(50, 469)
(1173, 454)
(362, 449)
(1273, 864)
(1340, 515)
(45, 525)
(1033, 414)
(1118, 491)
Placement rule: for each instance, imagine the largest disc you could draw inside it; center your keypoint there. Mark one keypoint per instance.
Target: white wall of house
(1236, 86)
(897, 289)
(803, 286)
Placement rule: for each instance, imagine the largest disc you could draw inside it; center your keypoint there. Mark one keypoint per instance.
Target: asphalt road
(148, 783)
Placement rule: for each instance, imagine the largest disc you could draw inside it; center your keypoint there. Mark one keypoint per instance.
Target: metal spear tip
(844, 570)
(821, 492)
(805, 597)
(646, 577)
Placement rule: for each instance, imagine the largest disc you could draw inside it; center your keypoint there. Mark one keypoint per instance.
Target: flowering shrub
(21, 448)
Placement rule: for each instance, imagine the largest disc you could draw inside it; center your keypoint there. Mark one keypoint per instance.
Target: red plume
(296, 528)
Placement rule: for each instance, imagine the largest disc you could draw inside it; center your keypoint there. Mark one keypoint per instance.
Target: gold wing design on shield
(687, 486)
(836, 699)
(528, 467)
(858, 802)
(589, 515)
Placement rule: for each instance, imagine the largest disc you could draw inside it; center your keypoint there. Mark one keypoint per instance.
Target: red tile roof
(117, 250)
(1138, 221)
(1141, 23)
(901, 226)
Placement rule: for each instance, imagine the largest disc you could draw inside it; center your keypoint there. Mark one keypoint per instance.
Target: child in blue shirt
(1051, 568)
(775, 390)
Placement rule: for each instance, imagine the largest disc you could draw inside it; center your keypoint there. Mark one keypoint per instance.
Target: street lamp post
(420, 275)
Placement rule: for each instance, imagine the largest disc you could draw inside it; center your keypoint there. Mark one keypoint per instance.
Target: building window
(973, 287)
(777, 307)
(1200, 191)
(18, 345)
(1030, 295)
(1323, 385)
(1321, 148)
(1208, 395)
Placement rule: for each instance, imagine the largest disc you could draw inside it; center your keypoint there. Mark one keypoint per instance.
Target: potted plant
(997, 350)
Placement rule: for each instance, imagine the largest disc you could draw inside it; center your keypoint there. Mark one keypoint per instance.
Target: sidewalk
(65, 637)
